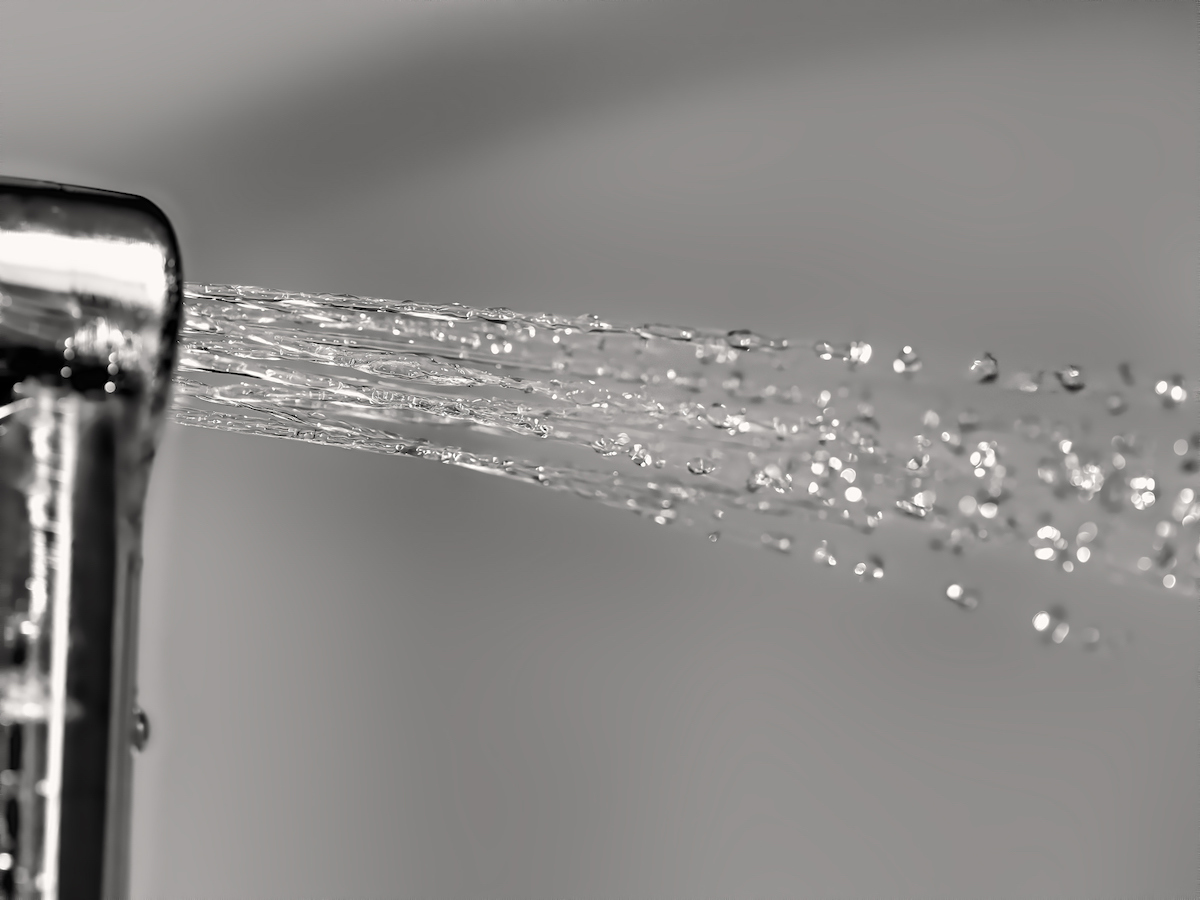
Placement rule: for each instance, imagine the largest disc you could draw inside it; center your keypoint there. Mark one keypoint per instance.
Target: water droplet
(1142, 492)
(742, 339)
(606, 446)
(1091, 638)
(860, 353)
(1115, 403)
(701, 466)
(1052, 624)
(1026, 382)
(986, 369)
(983, 458)
(906, 362)
(826, 351)
(824, 555)
(1171, 391)
(869, 570)
(141, 729)
(780, 543)
(1071, 378)
(918, 463)
(714, 536)
(962, 596)
(670, 332)
(919, 505)
(770, 476)
(1186, 509)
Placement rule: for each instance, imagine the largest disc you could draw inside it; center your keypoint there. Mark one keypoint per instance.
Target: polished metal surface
(89, 306)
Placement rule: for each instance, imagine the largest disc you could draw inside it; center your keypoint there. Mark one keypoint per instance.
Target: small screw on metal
(141, 729)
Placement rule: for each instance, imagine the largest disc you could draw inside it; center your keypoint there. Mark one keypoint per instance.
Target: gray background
(379, 678)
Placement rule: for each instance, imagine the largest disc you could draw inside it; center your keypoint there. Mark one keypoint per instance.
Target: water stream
(736, 435)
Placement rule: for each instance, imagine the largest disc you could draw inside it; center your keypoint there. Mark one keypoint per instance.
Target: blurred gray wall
(372, 677)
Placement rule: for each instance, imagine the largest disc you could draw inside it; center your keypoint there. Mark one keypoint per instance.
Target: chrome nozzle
(89, 309)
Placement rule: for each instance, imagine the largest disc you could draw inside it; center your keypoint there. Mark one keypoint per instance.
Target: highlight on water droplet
(701, 466)
(714, 536)
(824, 555)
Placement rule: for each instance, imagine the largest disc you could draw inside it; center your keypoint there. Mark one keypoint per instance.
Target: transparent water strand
(732, 433)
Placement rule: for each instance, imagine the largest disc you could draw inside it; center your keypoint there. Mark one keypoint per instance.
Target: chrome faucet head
(90, 301)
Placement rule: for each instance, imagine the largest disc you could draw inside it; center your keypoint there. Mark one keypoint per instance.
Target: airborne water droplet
(919, 505)
(860, 353)
(1171, 391)
(986, 369)
(823, 555)
(826, 351)
(780, 543)
(962, 596)
(770, 476)
(1052, 624)
(869, 570)
(1071, 378)
(701, 466)
(906, 362)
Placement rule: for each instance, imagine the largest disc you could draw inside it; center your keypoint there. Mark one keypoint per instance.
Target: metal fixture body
(90, 300)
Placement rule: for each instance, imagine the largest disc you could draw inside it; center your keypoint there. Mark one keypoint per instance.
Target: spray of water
(734, 434)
